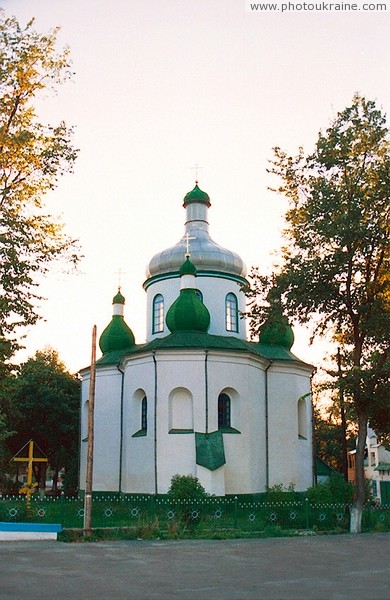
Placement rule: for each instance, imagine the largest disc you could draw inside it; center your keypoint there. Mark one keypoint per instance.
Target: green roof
(116, 336)
(196, 195)
(277, 332)
(187, 268)
(323, 468)
(188, 313)
(118, 298)
(383, 467)
(187, 340)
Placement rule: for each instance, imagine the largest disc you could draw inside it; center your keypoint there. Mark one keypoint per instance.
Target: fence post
(62, 508)
(235, 512)
(307, 513)
(152, 508)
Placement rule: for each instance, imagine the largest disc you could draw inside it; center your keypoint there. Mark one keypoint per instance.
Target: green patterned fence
(209, 514)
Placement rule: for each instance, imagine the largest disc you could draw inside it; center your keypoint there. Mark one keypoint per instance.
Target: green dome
(188, 313)
(118, 298)
(116, 336)
(187, 268)
(277, 333)
(196, 195)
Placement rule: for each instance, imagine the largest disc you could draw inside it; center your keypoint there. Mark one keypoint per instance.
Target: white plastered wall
(241, 377)
(178, 372)
(106, 429)
(214, 291)
(138, 452)
(290, 457)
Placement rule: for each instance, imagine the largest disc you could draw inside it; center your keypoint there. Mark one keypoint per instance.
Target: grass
(175, 532)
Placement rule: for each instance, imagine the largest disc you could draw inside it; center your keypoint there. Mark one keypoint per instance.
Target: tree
(32, 158)
(328, 440)
(4, 454)
(44, 406)
(328, 433)
(335, 265)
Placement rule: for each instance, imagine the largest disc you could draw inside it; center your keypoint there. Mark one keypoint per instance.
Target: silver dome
(206, 254)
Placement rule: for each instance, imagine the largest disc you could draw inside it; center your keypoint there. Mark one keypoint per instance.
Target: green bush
(186, 487)
(280, 493)
(333, 491)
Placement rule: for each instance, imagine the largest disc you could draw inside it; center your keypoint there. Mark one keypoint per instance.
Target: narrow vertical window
(302, 419)
(144, 414)
(158, 314)
(223, 411)
(231, 312)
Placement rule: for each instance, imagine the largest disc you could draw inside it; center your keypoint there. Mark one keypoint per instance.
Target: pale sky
(161, 85)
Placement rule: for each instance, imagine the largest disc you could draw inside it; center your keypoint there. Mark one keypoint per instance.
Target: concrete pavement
(310, 568)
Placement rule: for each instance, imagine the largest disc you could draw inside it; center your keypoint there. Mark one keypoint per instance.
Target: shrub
(279, 493)
(333, 491)
(186, 487)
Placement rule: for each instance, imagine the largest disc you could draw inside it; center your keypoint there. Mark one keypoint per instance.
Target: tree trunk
(357, 509)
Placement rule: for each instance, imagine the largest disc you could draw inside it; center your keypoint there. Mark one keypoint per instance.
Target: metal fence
(209, 514)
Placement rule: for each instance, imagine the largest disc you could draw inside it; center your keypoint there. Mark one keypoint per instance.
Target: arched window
(224, 407)
(231, 312)
(302, 419)
(144, 414)
(139, 414)
(84, 430)
(158, 314)
(199, 294)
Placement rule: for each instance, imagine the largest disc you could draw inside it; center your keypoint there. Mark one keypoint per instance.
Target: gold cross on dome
(187, 239)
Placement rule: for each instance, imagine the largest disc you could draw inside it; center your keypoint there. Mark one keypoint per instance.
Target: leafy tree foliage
(380, 423)
(335, 269)
(4, 453)
(328, 434)
(33, 156)
(44, 406)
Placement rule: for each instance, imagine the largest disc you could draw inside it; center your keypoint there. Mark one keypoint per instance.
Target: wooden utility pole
(91, 411)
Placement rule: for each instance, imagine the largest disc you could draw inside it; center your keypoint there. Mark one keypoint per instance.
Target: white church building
(197, 398)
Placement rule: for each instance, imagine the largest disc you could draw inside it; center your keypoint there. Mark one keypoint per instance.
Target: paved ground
(307, 568)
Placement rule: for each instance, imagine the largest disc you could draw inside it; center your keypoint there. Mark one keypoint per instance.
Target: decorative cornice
(199, 274)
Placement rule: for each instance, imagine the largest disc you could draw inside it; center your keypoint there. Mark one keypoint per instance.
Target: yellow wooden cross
(28, 489)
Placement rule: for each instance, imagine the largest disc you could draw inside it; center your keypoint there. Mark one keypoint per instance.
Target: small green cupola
(187, 268)
(117, 335)
(196, 195)
(188, 313)
(277, 331)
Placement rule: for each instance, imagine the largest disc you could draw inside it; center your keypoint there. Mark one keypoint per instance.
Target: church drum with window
(197, 397)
